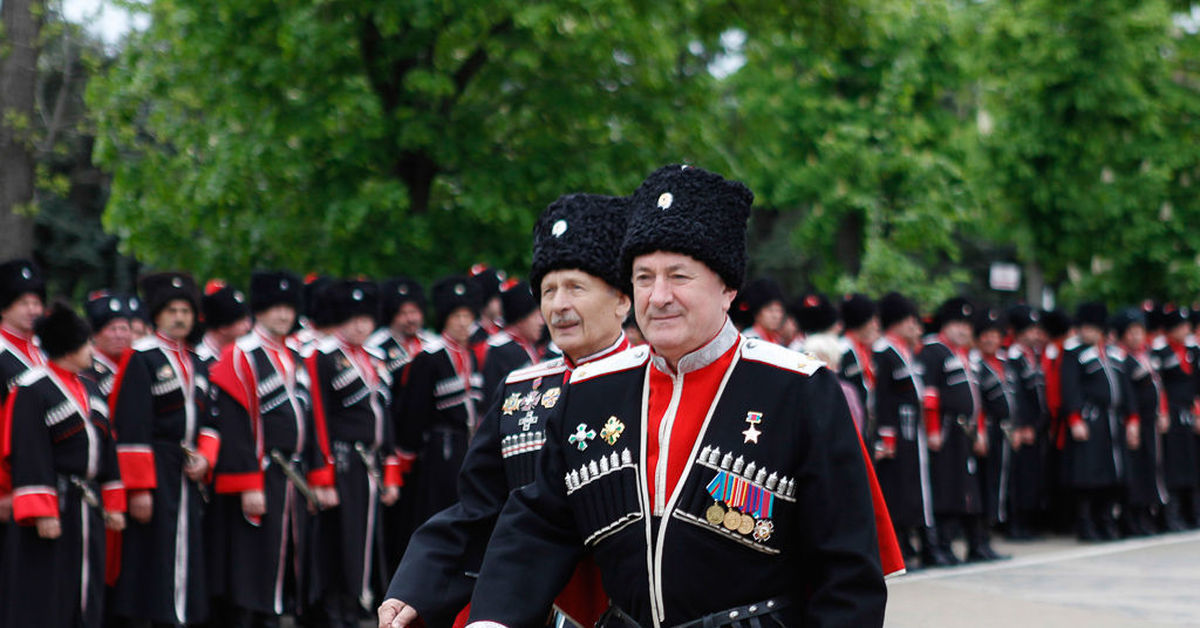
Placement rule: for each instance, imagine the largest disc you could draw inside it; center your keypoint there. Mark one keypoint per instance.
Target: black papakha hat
(687, 210)
(1092, 313)
(61, 331)
(223, 304)
(18, 277)
(1126, 318)
(1056, 323)
(1174, 316)
(489, 281)
(580, 232)
(454, 292)
(103, 308)
(1022, 317)
(395, 292)
(269, 288)
(757, 294)
(955, 309)
(857, 310)
(895, 307)
(347, 298)
(814, 313)
(517, 299)
(315, 307)
(159, 289)
(988, 319)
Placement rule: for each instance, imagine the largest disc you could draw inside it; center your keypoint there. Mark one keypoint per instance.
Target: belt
(746, 616)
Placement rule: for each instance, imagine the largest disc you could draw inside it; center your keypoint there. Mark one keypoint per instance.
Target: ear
(623, 305)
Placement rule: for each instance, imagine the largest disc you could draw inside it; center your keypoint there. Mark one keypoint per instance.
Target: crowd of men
(1020, 420)
(189, 456)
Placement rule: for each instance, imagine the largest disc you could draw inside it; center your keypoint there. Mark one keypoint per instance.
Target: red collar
(27, 345)
(72, 382)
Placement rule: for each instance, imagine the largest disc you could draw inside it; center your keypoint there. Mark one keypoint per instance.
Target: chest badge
(511, 404)
(165, 373)
(527, 421)
(530, 401)
(581, 436)
(752, 433)
(550, 397)
(612, 430)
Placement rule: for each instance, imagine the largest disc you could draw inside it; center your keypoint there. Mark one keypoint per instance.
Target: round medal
(747, 525)
(715, 514)
(733, 519)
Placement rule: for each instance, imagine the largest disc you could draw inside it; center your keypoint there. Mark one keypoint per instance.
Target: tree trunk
(22, 22)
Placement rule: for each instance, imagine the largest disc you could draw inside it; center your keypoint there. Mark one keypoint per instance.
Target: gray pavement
(1058, 582)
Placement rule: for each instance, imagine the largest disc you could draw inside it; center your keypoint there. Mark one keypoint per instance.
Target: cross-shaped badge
(527, 421)
(581, 436)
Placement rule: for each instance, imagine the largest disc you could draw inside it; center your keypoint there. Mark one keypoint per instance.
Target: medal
(165, 372)
(550, 397)
(511, 403)
(752, 433)
(763, 529)
(733, 519)
(530, 400)
(715, 514)
(581, 436)
(612, 430)
(746, 526)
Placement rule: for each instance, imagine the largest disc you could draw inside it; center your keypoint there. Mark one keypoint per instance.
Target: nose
(660, 293)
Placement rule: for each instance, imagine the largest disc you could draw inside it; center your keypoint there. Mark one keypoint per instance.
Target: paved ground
(1059, 582)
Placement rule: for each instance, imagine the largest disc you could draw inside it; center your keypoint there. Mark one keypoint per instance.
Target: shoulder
(1116, 352)
(32, 376)
(145, 343)
(248, 343)
(1071, 344)
(499, 339)
(635, 357)
(328, 345)
(379, 337)
(534, 371)
(779, 357)
(432, 346)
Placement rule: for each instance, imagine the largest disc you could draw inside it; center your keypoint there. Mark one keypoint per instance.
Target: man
(704, 449)
(351, 396)
(441, 402)
(956, 430)
(575, 245)
(265, 409)
(1146, 492)
(139, 321)
(815, 315)
(1095, 404)
(67, 486)
(999, 400)
(167, 443)
(1176, 363)
(226, 318)
(761, 304)
(901, 450)
(108, 315)
(860, 318)
(22, 297)
(490, 317)
(1030, 422)
(515, 345)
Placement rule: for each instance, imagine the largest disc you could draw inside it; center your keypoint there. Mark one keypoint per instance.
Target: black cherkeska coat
(1095, 391)
(954, 468)
(903, 478)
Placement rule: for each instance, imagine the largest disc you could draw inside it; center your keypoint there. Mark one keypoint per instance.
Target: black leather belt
(746, 616)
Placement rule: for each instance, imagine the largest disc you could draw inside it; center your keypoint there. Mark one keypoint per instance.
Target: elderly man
(713, 478)
(575, 268)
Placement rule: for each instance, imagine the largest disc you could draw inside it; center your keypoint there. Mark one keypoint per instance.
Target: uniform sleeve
(321, 456)
(132, 414)
(208, 439)
(992, 388)
(535, 521)
(933, 376)
(1071, 385)
(393, 471)
(1129, 399)
(887, 420)
(432, 577)
(112, 489)
(839, 547)
(35, 490)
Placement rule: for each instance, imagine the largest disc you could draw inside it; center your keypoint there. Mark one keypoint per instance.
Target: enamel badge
(511, 404)
(752, 433)
(550, 397)
(581, 436)
(612, 430)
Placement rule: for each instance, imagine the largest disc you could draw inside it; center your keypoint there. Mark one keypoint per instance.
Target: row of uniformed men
(1026, 419)
(256, 458)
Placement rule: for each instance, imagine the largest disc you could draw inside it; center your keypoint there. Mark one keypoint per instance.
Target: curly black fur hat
(18, 277)
(103, 307)
(159, 289)
(857, 310)
(347, 298)
(814, 313)
(1126, 318)
(757, 294)
(682, 209)
(580, 232)
(517, 299)
(223, 304)
(1022, 317)
(61, 331)
(269, 288)
(1092, 313)
(987, 319)
(453, 292)
(895, 307)
(955, 309)
(395, 292)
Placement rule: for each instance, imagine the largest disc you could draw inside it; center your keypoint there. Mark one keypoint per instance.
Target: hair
(824, 347)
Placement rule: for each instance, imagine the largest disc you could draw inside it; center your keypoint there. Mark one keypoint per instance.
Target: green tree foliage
(384, 137)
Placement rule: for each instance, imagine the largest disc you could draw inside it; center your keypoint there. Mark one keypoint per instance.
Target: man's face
(1032, 337)
(278, 319)
(23, 313)
(583, 312)
(356, 330)
(680, 303)
(530, 327)
(79, 359)
(239, 328)
(957, 332)
(175, 320)
(1134, 337)
(409, 319)
(788, 330)
(493, 309)
(458, 325)
(1091, 334)
(909, 329)
(114, 338)
(770, 317)
(989, 341)
(1178, 333)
